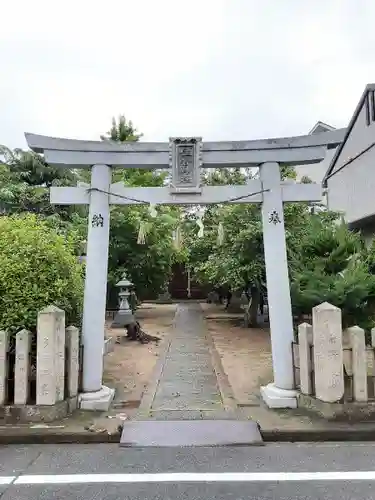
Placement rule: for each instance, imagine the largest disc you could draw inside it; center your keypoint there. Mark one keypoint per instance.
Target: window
(370, 107)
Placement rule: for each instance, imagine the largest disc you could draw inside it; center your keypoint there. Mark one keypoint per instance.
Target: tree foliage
(148, 265)
(121, 130)
(239, 260)
(38, 267)
(24, 181)
(327, 262)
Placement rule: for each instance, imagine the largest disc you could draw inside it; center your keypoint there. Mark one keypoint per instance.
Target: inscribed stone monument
(328, 353)
(22, 368)
(50, 356)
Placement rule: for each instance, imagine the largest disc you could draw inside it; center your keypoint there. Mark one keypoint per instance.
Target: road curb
(317, 435)
(23, 437)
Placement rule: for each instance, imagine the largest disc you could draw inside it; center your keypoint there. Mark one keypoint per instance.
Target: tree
(326, 260)
(24, 181)
(238, 262)
(125, 131)
(148, 265)
(38, 267)
(121, 131)
(330, 263)
(24, 177)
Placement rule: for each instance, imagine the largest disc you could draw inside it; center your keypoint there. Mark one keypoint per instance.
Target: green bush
(38, 267)
(331, 264)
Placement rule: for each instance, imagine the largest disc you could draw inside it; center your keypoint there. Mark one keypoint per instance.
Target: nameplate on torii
(185, 161)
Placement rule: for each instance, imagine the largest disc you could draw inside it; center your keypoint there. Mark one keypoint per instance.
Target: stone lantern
(124, 316)
(82, 257)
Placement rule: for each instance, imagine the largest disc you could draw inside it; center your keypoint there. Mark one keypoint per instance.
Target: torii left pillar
(95, 396)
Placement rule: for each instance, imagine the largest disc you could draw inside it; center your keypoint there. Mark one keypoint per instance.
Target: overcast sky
(221, 69)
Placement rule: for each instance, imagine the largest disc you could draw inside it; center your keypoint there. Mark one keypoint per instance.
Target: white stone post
(22, 368)
(72, 343)
(189, 283)
(95, 396)
(4, 345)
(328, 353)
(281, 393)
(60, 355)
(359, 363)
(50, 364)
(305, 362)
(373, 356)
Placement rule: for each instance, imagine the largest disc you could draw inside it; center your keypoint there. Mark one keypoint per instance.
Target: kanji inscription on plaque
(185, 160)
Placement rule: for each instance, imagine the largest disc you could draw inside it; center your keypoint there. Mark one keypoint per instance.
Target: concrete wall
(352, 189)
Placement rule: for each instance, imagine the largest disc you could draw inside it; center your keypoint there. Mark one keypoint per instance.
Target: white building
(316, 171)
(350, 177)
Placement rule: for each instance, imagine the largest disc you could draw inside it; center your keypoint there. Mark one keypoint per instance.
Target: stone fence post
(50, 366)
(359, 363)
(72, 344)
(305, 340)
(4, 347)
(328, 353)
(22, 368)
(335, 352)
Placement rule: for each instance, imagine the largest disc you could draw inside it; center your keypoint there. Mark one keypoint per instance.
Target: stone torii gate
(185, 157)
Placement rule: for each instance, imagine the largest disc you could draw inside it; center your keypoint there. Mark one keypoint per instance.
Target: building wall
(360, 138)
(352, 189)
(315, 171)
(368, 234)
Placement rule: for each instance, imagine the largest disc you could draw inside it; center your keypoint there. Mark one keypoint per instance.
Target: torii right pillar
(281, 393)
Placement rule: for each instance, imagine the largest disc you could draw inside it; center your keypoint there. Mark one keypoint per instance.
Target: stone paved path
(188, 382)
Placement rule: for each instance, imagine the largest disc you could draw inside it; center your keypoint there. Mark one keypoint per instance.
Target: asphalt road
(342, 471)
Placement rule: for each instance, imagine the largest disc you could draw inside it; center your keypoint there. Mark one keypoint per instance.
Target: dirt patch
(245, 354)
(129, 367)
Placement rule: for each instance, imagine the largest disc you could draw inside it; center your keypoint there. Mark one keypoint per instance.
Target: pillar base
(274, 397)
(96, 401)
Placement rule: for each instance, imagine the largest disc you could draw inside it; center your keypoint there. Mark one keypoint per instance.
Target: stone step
(177, 433)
